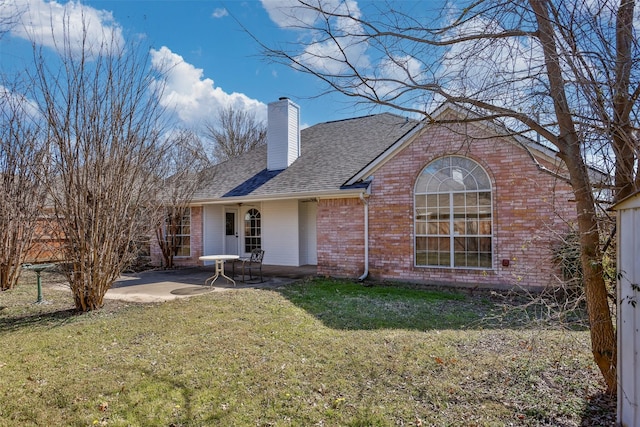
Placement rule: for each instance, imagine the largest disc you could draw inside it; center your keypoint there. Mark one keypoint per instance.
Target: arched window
(453, 215)
(252, 230)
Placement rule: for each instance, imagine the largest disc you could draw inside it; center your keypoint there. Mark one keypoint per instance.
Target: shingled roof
(331, 153)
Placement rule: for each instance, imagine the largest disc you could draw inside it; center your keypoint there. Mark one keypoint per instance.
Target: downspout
(366, 238)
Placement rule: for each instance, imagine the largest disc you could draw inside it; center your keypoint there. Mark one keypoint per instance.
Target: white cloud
(499, 70)
(394, 72)
(193, 97)
(289, 13)
(48, 23)
(12, 102)
(325, 55)
(292, 14)
(330, 58)
(220, 13)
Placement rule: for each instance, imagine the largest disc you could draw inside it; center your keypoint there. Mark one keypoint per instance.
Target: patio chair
(250, 264)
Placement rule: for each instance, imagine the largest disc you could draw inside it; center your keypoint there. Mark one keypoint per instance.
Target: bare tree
(102, 118)
(10, 12)
(184, 169)
(22, 166)
(564, 70)
(235, 132)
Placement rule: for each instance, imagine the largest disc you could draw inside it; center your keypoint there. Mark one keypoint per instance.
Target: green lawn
(316, 353)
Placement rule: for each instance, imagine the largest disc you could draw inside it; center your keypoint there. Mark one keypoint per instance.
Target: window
(180, 231)
(230, 224)
(453, 220)
(252, 230)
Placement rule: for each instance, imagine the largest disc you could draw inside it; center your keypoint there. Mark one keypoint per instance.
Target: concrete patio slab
(166, 285)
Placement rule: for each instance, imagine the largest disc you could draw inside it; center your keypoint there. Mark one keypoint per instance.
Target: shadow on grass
(40, 320)
(600, 411)
(182, 406)
(341, 304)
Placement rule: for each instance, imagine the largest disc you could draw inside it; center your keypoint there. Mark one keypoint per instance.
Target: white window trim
(452, 234)
(184, 235)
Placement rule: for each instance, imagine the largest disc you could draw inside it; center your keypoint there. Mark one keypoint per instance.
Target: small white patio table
(219, 259)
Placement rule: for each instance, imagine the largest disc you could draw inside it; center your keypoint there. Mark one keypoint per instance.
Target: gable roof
(461, 114)
(338, 157)
(331, 154)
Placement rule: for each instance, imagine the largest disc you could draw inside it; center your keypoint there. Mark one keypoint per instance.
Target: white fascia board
(630, 202)
(340, 194)
(488, 125)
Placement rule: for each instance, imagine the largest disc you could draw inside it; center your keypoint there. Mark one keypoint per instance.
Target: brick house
(389, 198)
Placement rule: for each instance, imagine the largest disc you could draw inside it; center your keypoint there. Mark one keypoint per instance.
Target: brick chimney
(283, 134)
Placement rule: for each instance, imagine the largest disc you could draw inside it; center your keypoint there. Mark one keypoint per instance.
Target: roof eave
(326, 194)
(532, 146)
(632, 201)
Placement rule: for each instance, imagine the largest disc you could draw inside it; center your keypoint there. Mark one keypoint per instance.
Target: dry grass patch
(318, 353)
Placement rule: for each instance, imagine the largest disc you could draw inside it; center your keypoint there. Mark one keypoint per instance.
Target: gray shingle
(331, 153)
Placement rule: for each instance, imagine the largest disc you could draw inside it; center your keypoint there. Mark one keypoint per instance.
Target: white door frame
(231, 235)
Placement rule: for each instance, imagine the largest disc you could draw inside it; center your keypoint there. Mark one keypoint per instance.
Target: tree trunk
(603, 337)
(623, 141)
(166, 243)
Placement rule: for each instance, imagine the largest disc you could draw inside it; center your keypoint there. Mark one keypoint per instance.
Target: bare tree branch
(22, 166)
(184, 170)
(542, 67)
(102, 122)
(235, 132)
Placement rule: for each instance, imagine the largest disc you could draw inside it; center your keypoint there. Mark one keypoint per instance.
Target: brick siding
(531, 209)
(340, 228)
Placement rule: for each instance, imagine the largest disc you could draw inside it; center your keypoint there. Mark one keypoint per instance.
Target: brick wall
(530, 209)
(340, 228)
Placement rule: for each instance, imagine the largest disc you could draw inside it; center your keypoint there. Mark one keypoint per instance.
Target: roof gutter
(366, 237)
(330, 194)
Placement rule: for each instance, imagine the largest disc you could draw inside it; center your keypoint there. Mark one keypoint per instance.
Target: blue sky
(219, 63)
